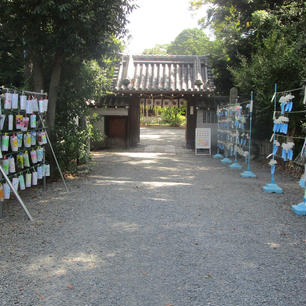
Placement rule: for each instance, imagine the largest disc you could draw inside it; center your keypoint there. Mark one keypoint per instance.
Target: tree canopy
(260, 43)
(52, 31)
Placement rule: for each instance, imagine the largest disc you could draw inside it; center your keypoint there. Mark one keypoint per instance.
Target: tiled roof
(160, 73)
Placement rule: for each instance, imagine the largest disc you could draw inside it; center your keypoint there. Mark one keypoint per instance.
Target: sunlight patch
(126, 227)
(139, 154)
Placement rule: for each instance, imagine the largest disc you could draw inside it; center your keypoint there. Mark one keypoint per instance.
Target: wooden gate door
(117, 127)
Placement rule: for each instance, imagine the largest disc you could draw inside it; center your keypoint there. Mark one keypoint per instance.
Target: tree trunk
(53, 88)
(38, 77)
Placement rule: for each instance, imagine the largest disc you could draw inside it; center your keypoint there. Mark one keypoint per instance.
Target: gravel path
(156, 226)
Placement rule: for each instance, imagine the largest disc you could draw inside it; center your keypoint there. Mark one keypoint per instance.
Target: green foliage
(157, 50)
(82, 83)
(66, 48)
(190, 42)
(259, 43)
(174, 116)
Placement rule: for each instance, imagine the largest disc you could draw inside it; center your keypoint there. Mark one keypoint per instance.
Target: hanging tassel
(2, 120)
(23, 100)
(33, 156)
(15, 101)
(34, 178)
(21, 182)
(12, 164)
(1, 193)
(8, 101)
(14, 143)
(39, 173)
(5, 143)
(6, 191)
(15, 183)
(26, 159)
(20, 161)
(284, 155)
(282, 108)
(25, 123)
(19, 139)
(6, 165)
(28, 179)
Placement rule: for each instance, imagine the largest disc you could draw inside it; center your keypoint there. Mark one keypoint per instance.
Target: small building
(159, 80)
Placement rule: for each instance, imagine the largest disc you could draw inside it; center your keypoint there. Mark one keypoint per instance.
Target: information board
(203, 141)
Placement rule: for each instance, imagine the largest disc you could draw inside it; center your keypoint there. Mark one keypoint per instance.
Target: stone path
(150, 228)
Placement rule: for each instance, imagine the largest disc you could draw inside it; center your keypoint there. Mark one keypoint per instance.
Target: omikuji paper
(28, 180)
(1, 193)
(33, 156)
(33, 121)
(34, 105)
(21, 182)
(33, 138)
(27, 140)
(40, 154)
(39, 172)
(19, 122)
(34, 178)
(14, 143)
(47, 170)
(45, 105)
(26, 160)
(15, 183)
(20, 161)
(41, 106)
(25, 124)
(19, 139)
(29, 106)
(12, 164)
(2, 120)
(23, 100)
(15, 101)
(7, 191)
(10, 122)
(6, 166)
(5, 143)
(8, 101)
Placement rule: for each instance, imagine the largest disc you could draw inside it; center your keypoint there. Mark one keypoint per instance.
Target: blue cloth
(282, 108)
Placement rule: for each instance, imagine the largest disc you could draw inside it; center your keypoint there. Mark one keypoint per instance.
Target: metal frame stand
(272, 187)
(16, 194)
(235, 165)
(226, 160)
(44, 180)
(248, 173)
(218, 155)
(53, 153)
(300, 209)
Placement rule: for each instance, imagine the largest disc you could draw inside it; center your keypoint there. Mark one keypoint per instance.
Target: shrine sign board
(203, 141)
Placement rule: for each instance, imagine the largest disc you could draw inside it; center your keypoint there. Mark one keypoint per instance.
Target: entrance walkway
(156, 227)
(163, 140)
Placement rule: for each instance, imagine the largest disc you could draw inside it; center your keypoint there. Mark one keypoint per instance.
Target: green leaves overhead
(190, 42)
(73, 26)
(263, 43)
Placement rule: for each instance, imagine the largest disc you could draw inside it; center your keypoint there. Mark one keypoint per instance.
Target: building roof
(163, 73)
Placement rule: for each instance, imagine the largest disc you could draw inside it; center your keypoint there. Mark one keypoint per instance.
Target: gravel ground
(156, 226)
